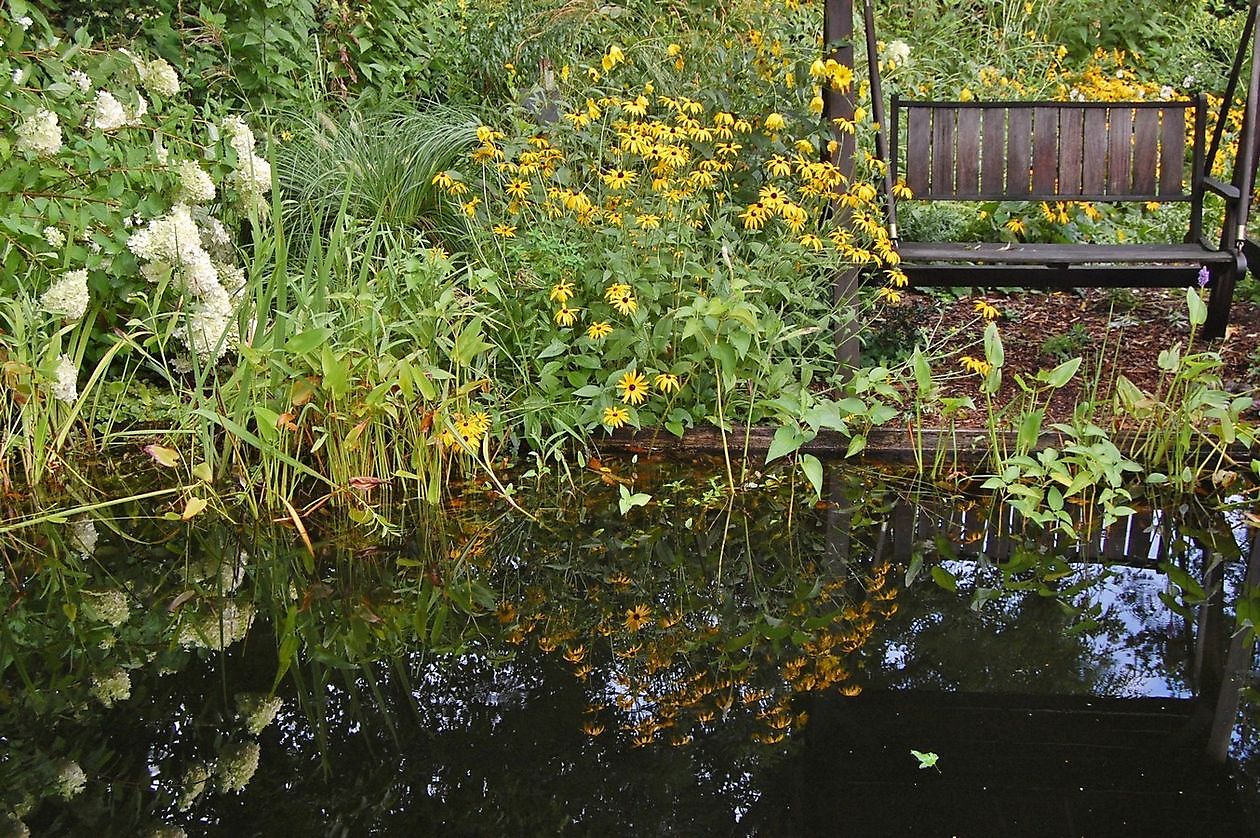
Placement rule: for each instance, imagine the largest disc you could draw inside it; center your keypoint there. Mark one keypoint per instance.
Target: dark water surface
(702, 665)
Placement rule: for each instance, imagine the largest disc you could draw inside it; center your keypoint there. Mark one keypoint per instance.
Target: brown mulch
(1115, 332)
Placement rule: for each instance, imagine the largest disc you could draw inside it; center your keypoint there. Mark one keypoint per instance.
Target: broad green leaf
(813, 473)
(1197, 308)
(926, 760)
(993, 352)
(944, 578)
(629, 501)
(787, 439)
(1063, 373)
(194, 507)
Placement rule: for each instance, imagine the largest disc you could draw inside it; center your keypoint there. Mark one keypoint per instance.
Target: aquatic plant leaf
(1197, 308)
(786, 440)
(167, 457)
(944, 578)
(813, 471)
(926, 760)
(629, 501)
(194, 507)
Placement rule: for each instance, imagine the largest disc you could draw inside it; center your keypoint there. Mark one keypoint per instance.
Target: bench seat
(1060, 254)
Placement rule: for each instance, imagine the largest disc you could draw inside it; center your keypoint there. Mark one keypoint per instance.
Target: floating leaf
(926, 760)
(194, 507)
(629, 501)
(167, 457)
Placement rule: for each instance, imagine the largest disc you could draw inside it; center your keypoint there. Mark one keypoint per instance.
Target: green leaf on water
(629, 501)
(926, 760)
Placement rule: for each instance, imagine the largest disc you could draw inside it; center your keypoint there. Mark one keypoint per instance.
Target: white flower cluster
(110, 115)
(40, 133)
(258, 710)
(80, 80)
(251, 176)
(237, 764)
(159, 77)
(194, 785)
(53, 236)
(172, 243)
(195, 186)
(897, 52)
(66, 387)
(83, 535)
(221, 573)
(109, 607)
(216, 630)
(68, 296)
(112, 687)
(70, 779)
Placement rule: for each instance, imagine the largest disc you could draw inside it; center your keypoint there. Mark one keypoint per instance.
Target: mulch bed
(1114, 331)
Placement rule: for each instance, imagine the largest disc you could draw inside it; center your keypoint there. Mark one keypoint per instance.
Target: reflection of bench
(1109, 152)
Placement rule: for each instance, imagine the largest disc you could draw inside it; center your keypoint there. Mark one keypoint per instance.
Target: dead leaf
(167, 457)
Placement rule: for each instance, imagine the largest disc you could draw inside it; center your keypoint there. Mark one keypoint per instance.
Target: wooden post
(838, 43)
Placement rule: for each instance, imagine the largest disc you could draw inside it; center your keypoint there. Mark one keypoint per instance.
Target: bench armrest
(1225, 190)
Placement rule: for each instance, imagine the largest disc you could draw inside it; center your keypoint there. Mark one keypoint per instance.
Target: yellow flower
(634, 387)
(617, 289)
(754, 216)
(470, 208)
(667, 382)
(637, 617)
(615, 417)
(779, 166)
(774, 122)
(618, 179)
(599, 330)
(889, 295)
(673, 50)
(561, 292)
(506, 231)
(566, 316)
(974, 365)
(648, 221)
(443, 180)
(812, 241)
(625, 303)
(1017, 226)
(612, 58)
(518, 189)
(987, 311)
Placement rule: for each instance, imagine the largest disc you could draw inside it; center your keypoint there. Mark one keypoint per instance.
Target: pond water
(707, 663)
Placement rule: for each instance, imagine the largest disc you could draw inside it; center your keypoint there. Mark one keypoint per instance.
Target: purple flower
(1203, 276)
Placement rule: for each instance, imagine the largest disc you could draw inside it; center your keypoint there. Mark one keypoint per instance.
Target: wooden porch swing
(1107, 152)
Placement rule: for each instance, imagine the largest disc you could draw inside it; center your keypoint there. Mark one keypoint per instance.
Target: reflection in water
(583, 672)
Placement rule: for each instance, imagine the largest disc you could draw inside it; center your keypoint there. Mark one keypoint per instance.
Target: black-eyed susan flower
(812, 241)
(614, 417)
(599, 330)
(774, 122)
(637, 617)
(518, 189)
(779, 166)
(617, 178)
(889, 295)
(505, 231)
(566, 316)
(633, 387)
(625, 303)
(470, 207)
(647, 221)
(617, 289)
(667, 383)
(974, 365)
(561, 292)
(1016, 226)
(986, 310)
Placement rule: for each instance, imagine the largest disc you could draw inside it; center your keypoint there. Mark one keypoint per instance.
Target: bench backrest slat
(1107, 151)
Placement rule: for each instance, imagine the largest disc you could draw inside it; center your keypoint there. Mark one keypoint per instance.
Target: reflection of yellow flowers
(592, 728)
(637, 617)
(599, 330)
(561, 292)
(634, 387)
(986, 310)
(505, 231)
(974, 365)
(615, 417)
(667, 382)
(566, 316)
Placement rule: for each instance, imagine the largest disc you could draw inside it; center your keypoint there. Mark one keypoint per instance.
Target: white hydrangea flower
(54, 237)
(195, 186)
(40, 133)
(25, 22)
(70, 779)
(258, 710)
(252, 180)
(68, 296)
(112, 687)
(109, 114)
(66, 387)
(80, 80)
(142, 107)
(897, 52)
(160, 77)
(237, 764)
(83, 535)
(239, 137)
(194, 785)
(108, 607)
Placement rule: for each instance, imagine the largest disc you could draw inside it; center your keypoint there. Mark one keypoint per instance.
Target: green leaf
(306, 341)
(813, 473)
(1062, 374)
(926, 760)
(856, 445)
(1198, 309)
(629, 501)
(787, 439)
(922, 373)
(993, 352)
(944, 578)
(469, 343)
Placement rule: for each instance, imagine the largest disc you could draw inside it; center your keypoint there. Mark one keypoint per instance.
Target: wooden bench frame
(1105, 152)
